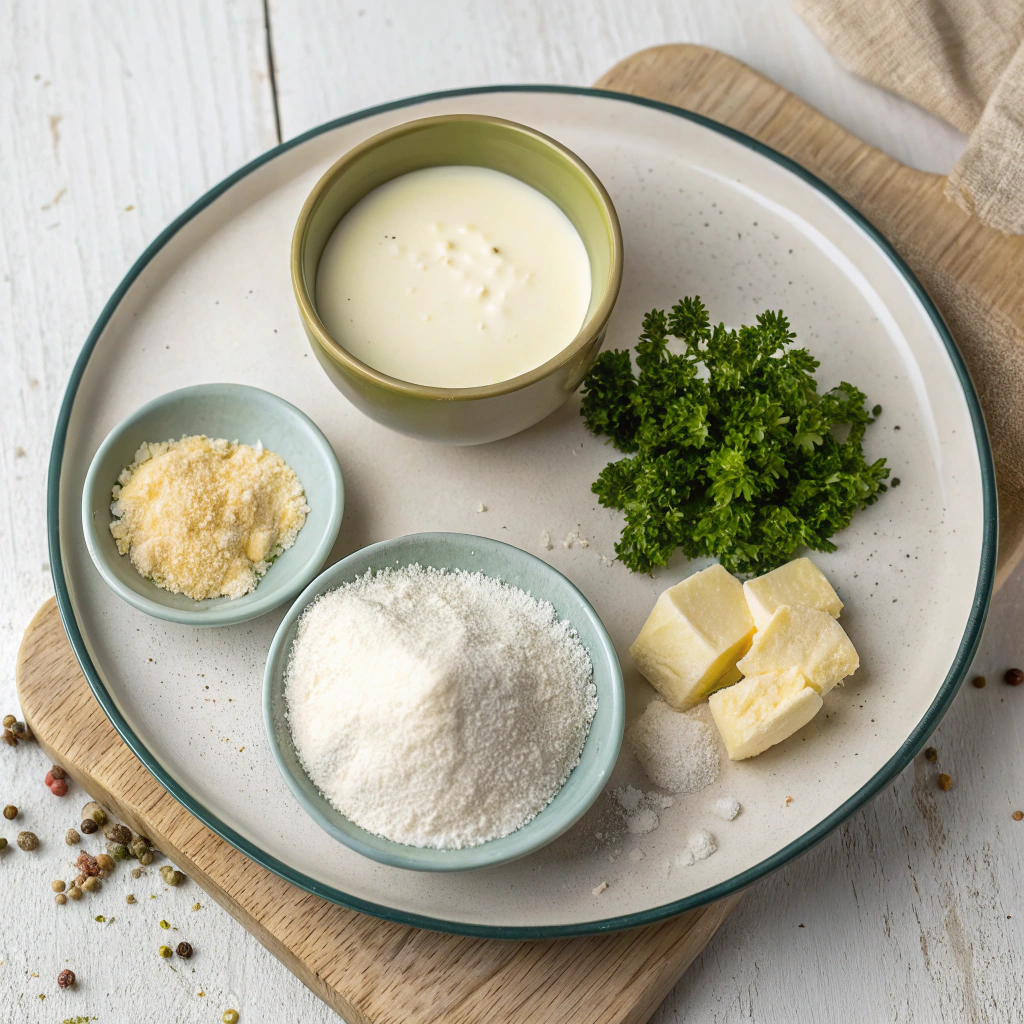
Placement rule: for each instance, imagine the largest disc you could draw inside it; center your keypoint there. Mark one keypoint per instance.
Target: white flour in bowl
(437, 708)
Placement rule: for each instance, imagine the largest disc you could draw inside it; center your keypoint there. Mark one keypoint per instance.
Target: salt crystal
(727, 807)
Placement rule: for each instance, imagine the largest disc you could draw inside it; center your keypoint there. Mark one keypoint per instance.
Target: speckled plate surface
(704, 211)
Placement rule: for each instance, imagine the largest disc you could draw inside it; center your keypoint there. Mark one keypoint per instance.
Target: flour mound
(437, 708)
(678, 751)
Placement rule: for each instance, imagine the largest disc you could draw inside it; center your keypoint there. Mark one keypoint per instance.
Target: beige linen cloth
(962, 60)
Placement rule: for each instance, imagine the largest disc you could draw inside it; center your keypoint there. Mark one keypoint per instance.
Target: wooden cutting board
(374, 972)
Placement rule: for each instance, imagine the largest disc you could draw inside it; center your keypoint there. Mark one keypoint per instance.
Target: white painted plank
(336, 56)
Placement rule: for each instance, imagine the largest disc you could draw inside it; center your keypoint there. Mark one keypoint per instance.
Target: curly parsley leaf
(732, 452)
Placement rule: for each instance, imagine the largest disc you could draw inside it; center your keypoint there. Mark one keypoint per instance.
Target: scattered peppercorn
(88, 826)
(92, 884)
(60, 899)
(80, 879)
(9, 720)
(136, 872)
(171, 876)
(230, 1017)
(978, 682)
(1018, 815)
(3, 843)
(1014, 676)
(104, 873)
(87, 863)
(104, 862)
(165, 952)
(57, 772)
(94, 811)
(931, 754)
(117, 850)
(195, 906)
(71, 837)
(129, 898)
(21, 731)
(66, 979)
(101, 919)
(9, 738)
(944, 781)
(74, 893)
(28, 840)
(184, 950)
(10, 812)
(121, 834)
(59, 788)
(165, 925)
(58, 885)
(146, 857)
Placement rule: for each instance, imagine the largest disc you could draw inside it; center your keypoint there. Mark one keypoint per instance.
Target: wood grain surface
(368, 970)
(114, 119)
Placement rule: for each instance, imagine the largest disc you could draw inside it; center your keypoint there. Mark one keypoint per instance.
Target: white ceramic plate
(704, 211)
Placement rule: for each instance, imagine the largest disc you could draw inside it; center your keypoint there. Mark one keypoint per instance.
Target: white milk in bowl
(454, 277)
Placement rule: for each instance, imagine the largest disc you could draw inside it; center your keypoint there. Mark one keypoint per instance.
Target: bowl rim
(251, 605)
(488, 854)
(589, 330)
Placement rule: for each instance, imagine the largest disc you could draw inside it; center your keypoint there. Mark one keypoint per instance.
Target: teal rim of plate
(914, 742)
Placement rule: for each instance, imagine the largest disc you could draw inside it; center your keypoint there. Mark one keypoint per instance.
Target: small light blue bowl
(238, 413)
(512, 566)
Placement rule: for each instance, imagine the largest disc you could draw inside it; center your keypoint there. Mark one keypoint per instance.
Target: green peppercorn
(3, 843)
(9, 720)
(94, 811)
(171, 876)
(120, 834)
(74, 893)
(92, 884)
(60, 899)
(137, 847)
(10, 812)
(28, 840)
(165, 952)
(146, 857)
(117, 850)
(165, 925)
(230, 1017)
(71, 837)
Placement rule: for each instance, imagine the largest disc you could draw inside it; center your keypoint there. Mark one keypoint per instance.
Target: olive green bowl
(461, 415)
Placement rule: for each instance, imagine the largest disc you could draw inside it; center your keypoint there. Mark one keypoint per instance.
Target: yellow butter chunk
(804, 638)
(204, 517)
(763, 710)
(693, 637)
(799, 582)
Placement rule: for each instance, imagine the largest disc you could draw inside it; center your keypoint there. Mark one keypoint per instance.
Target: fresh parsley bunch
(733, 453)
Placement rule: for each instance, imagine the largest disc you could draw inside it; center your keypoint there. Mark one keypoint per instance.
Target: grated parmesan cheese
(205, 518)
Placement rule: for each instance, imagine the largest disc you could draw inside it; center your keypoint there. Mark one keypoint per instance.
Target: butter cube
(799, 582)
(804, 638)
(763, 710)
(693, 637)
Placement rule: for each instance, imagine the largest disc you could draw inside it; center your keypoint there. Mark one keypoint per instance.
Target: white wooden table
(113, 118)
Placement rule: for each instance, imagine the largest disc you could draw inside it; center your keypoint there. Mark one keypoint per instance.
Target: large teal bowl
(513, 566)
(238, 413)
